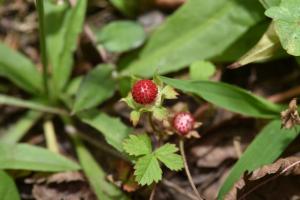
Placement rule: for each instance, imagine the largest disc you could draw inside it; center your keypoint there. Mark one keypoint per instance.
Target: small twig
(237, 146)
(181, 147)
(151, 122)
(153, 192)
(50, 136)
(178, 189)
(270, 179)
(283, 96)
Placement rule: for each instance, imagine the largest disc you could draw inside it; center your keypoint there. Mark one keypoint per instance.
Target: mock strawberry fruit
(144, 92)
(183, 123)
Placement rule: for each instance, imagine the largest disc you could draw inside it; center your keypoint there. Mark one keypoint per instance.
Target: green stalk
(50, 136)
(43, 45)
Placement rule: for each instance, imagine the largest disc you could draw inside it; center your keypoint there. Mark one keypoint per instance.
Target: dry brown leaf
(65, 185)
(269, 181)
(65, 191)
(290, 117)
(218, 145)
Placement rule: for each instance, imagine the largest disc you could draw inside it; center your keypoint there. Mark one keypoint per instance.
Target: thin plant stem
(43, 45)
(151, 122)
(153, 192)
(157, 135)
(50, 135)
(178, 189)
(187, 171)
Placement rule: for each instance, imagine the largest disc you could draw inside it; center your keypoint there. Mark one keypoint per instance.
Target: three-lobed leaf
(266, 147)
(96, 87)
(166, 154)
(229, 97)
(137, 145)
(8, 188)
(29, 157)
(197, 25)
(286, 18)
(147, 170)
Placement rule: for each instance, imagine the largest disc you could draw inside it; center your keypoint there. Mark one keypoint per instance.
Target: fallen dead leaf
(65, 185)
(290, 117)
(269, 181)
(218, 145)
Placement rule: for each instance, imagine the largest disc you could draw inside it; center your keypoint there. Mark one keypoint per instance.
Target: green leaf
(96, 175)
(197, 25)
(229, 97)
(63, 25)
(127, 7)
(267, 47)
(12, 101)
(202, 70)
(243, 44)
(28, 157)
(169, 93)
(95, 88)
(265, 149)
(286, 18)
(8, 188)
(112, 128)
(147, 170)
(137, 145)
(20, 70)
(269, 3)
(135, 117)
(121, 36)
(16, 131)
(166, 154)
(160, 113)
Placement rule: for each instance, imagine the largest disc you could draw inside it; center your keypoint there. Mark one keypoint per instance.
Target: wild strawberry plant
(189, 38)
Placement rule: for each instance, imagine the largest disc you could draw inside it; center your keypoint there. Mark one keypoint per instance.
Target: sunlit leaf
(286, 18)
(195, 32)
(229, 97)
(29, 157)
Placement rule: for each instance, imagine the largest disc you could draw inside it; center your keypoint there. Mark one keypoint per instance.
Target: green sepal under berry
(159, 112)
(147, 168)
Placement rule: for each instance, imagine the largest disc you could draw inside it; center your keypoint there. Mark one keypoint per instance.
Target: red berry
(183, 122)
(144, 92)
